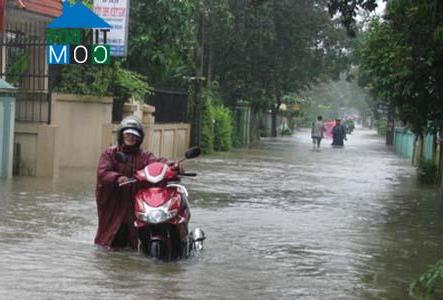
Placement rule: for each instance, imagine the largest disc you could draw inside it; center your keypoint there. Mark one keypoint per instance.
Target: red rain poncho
(114, 203)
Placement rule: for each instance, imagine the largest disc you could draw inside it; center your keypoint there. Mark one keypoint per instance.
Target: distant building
(32, 10)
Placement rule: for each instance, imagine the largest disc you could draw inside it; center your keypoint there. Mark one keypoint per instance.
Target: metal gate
(23, 64)
(170, 106)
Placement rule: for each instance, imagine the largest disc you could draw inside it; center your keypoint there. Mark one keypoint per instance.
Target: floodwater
(283, 222)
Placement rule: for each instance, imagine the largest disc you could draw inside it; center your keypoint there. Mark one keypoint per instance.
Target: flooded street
(283, 222)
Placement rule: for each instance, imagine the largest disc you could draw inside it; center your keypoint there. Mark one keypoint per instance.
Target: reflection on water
(282, 221)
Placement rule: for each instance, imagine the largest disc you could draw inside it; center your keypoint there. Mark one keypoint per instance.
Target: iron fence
(117, 110)
(23, 64)
(170, 106)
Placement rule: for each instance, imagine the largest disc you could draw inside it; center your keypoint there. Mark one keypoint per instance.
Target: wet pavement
(283, 222)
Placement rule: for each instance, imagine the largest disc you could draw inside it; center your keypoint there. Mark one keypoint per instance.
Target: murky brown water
(283, 222)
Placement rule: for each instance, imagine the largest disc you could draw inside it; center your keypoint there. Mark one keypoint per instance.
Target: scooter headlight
(157, 215)
(142, 217)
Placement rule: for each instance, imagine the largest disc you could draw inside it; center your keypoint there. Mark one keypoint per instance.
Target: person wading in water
(338, 134)
(317, 130)
(115, 204)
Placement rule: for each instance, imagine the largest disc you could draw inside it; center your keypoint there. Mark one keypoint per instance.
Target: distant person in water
(338, 134)
(317, 132)
(328, 128)
(349, 126)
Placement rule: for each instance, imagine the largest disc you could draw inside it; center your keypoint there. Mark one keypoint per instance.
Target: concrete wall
(38, 150)
(266, 124)
(73, 140)
(166, 140)
(80, 120)
(82, 129)
(170, 140)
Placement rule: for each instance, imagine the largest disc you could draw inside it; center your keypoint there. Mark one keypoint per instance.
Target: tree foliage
(262, 51)
(348, 9)
(257, 51)
(207, 123)
(425, 286)
(401, 62)
(335, 99)
(223, 129)
(161, 40)
(102, 81)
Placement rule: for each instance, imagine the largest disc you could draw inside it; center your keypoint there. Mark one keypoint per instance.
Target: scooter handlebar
(188, 174)
(130, 180)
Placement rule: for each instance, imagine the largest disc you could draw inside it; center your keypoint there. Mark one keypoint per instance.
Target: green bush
(427, 172)
(217, 131)
(102, 81)
(18, 68)
(424, 287)
(85, 80)
(286, 131)
(223, 129)
(207, 129)
(381, 125)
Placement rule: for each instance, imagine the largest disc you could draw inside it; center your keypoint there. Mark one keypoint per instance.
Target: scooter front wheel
(156, 250)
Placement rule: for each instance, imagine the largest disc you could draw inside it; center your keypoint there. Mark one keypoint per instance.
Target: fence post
(7, 114)
(243, 113)
(390, 128)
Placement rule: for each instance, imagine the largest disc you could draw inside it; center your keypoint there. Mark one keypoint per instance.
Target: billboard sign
(115, 13)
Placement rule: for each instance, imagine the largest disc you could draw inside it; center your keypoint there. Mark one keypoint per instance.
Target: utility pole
(196, 108)
(199, 59)
(390, 126)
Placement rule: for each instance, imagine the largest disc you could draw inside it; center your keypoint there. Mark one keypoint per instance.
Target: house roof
(52, 8)
(78, 16)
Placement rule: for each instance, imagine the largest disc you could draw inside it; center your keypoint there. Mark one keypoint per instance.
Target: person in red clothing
(115, 204)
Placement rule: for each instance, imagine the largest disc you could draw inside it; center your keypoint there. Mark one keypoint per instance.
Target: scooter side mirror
(121, 157)
(193, 152)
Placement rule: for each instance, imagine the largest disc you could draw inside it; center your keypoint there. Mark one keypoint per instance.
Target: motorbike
(162, 211)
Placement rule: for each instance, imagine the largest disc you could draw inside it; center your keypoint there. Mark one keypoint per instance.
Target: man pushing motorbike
(114, 203)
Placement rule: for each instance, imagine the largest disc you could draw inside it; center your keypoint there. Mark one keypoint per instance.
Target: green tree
(223, 129)
(273, 49)
(401, 62)
(348, 11)
(110, 80)
(161, 40)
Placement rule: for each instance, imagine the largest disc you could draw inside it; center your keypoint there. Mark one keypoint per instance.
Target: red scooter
(162, 212)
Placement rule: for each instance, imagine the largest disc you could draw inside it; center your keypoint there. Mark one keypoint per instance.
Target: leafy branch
(425, 285)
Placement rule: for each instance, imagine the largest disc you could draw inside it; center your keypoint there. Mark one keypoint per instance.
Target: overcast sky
(381, 5)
